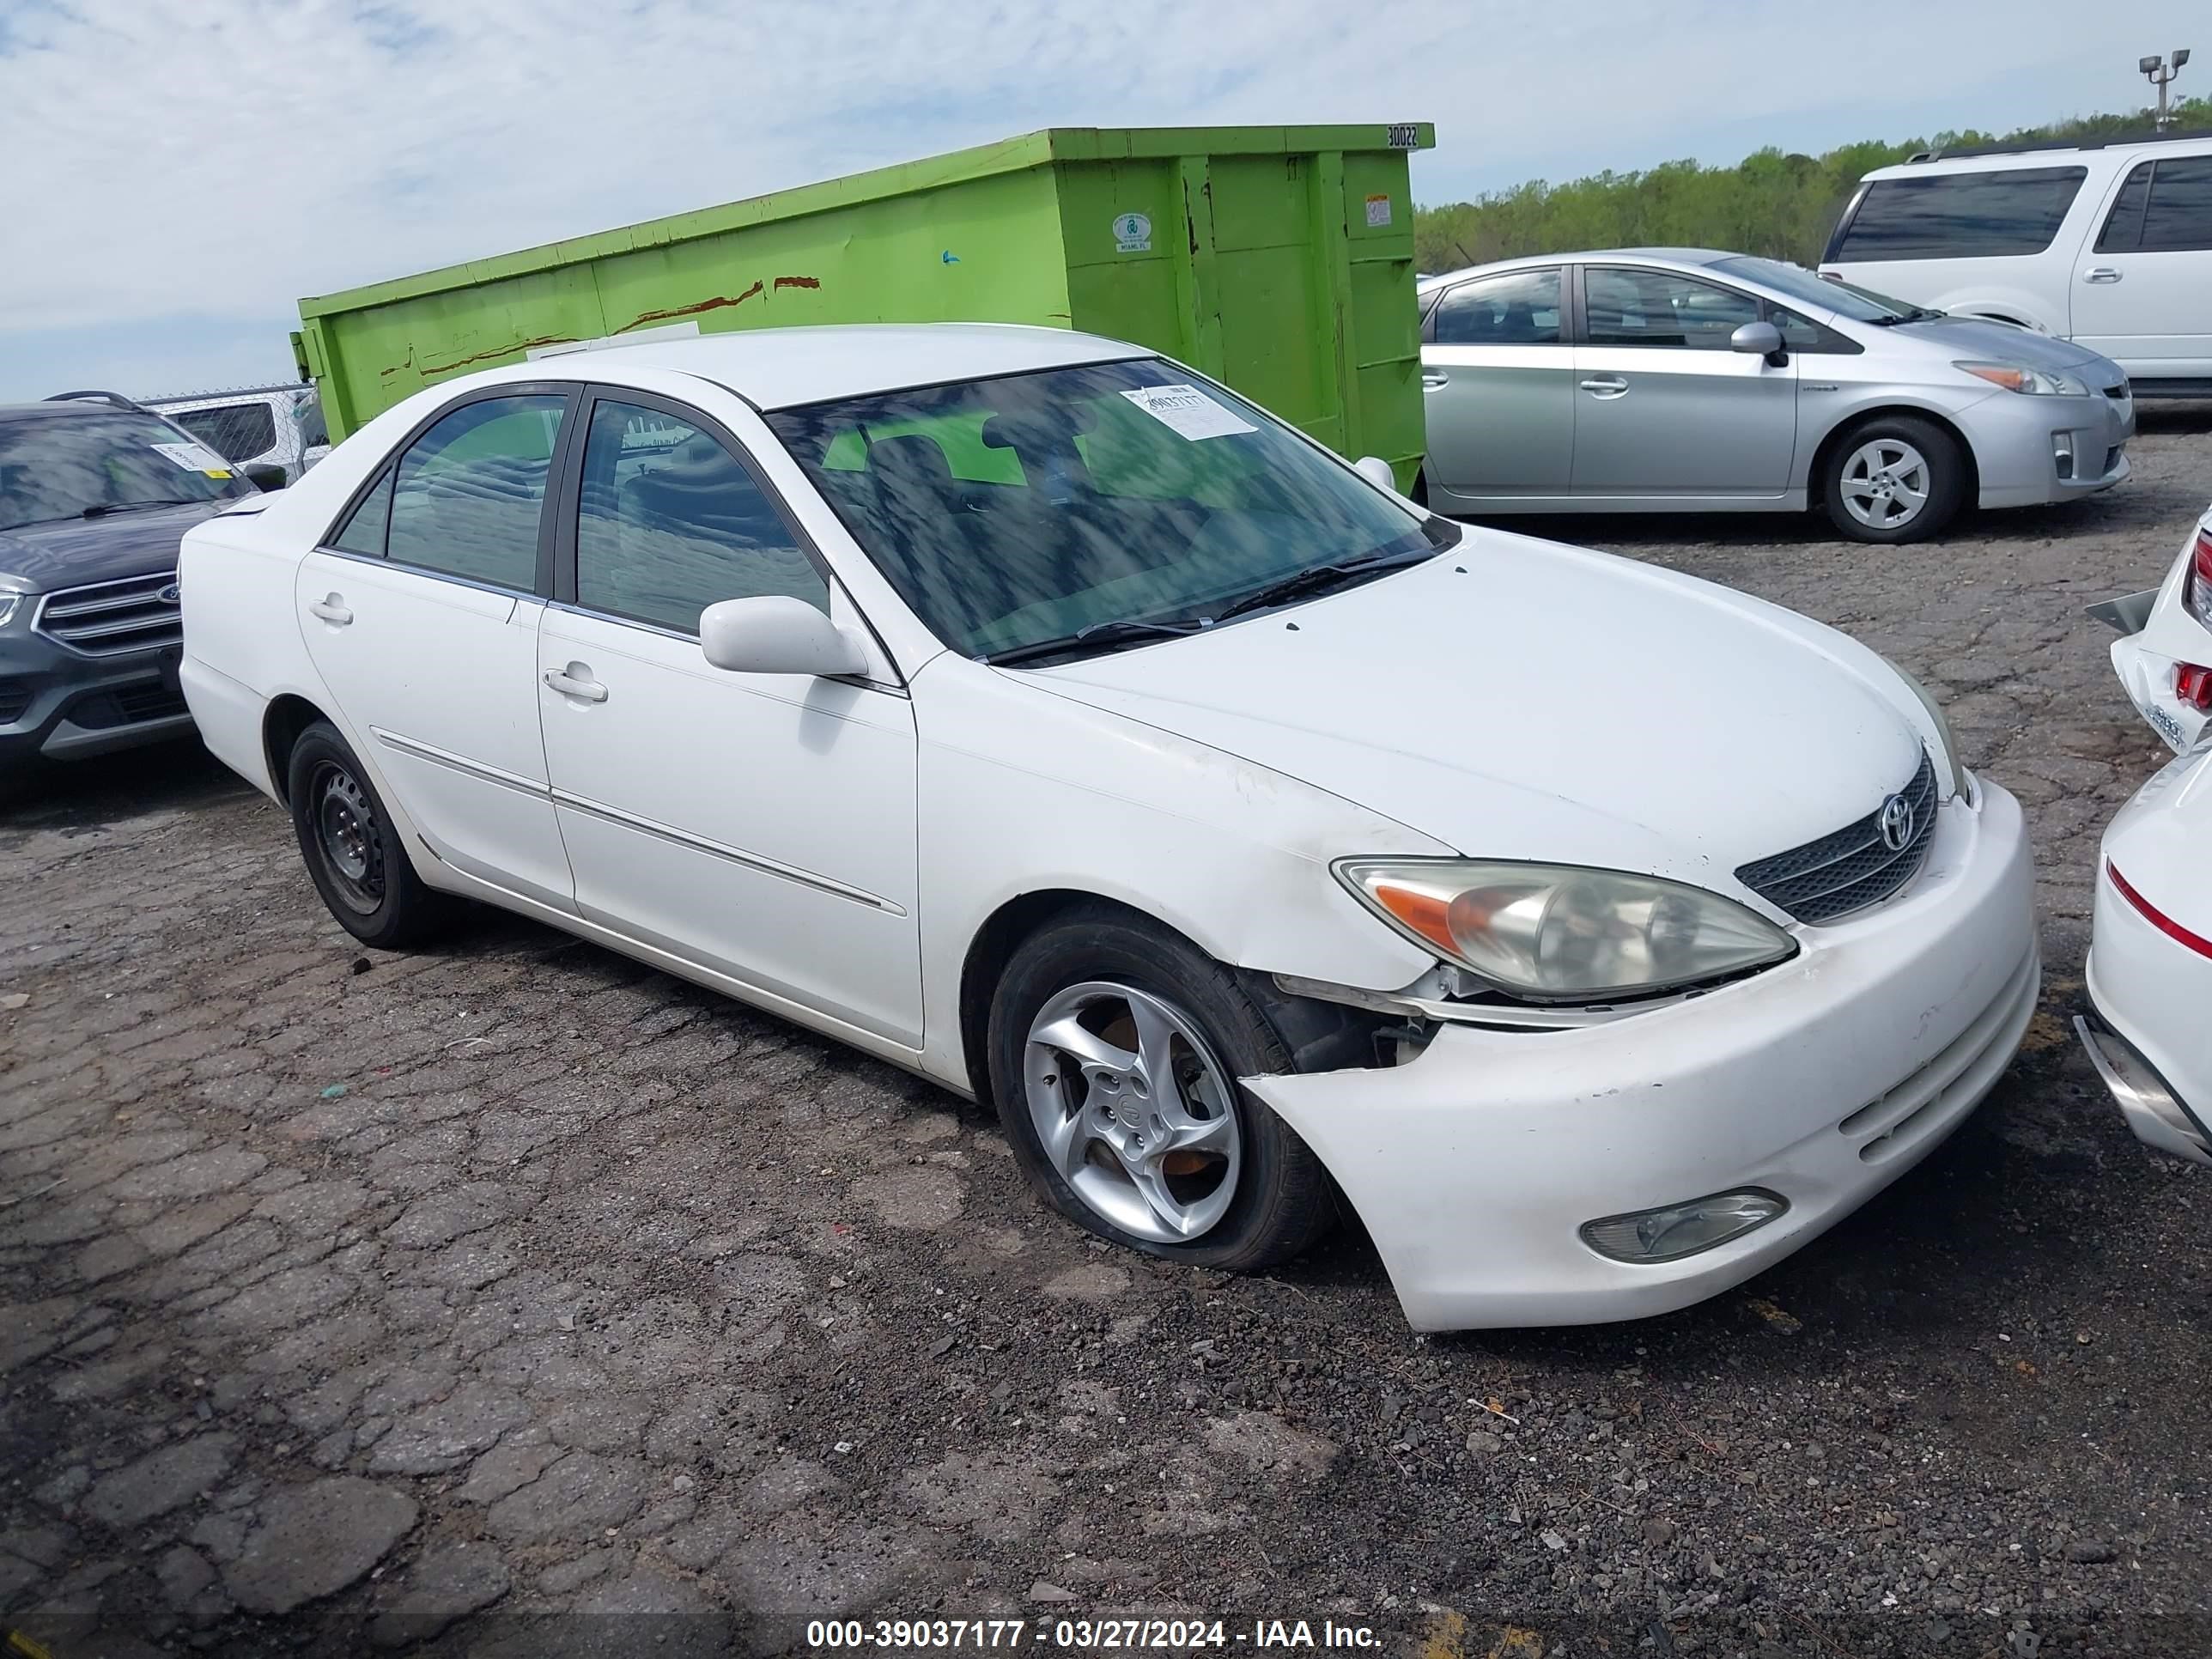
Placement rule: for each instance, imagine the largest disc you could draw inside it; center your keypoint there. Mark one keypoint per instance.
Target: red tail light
(2196, 590)
(2193, 685)
(2158, 918)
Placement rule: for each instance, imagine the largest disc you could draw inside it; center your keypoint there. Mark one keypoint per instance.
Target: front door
(759, 824)
(2142, 290)
(1498, 379)
(421, 615)
(1663, 406)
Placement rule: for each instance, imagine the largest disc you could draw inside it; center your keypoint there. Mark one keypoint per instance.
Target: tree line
(1778, 204)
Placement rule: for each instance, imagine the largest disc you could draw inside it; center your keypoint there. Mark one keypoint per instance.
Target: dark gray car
(95, 493)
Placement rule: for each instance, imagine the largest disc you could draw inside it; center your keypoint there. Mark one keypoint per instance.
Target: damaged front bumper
(1476, 1164)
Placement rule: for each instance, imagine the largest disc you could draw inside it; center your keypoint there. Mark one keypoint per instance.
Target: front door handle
(2100, 274)
(1432, 380)
(1608, 387)
(575, 681)
(332, 609)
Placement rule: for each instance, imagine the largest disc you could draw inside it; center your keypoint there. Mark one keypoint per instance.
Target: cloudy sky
(180, 170)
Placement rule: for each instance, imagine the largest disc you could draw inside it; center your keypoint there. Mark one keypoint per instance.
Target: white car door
(420, 614)
(759, 824)
(2141, 289)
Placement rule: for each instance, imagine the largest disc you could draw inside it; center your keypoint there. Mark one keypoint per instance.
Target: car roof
(782, 368)
(62, 409)
(2124, 151)
(1660, 256)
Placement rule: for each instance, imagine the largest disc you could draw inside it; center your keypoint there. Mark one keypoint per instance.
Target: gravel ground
(499, 1297)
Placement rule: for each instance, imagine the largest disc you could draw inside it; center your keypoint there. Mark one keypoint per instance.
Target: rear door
(1664, 408)
(1498, 372)
(2142, 290)
(420, 610)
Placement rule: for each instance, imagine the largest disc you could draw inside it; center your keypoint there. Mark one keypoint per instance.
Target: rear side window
(1961, 216)
(669, 522)
(2165, 207)
(364, 530)
(1520, 308)
(237, 432)
(468, 493)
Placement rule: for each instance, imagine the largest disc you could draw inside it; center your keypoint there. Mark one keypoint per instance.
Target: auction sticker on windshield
(192, 457)
(1188, 410)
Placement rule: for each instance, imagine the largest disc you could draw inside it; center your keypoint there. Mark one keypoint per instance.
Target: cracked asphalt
(515, 1299)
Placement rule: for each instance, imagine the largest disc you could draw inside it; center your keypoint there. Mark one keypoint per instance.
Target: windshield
(1032, 508)
(1858, 305)
(59, 466)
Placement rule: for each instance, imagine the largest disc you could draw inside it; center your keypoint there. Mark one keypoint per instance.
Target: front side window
(1520, 308)
(80, 462)
(669, 522)
(1659, 308)
(1961, 216)
(468, 493)
(1011, 512)
(237, 432)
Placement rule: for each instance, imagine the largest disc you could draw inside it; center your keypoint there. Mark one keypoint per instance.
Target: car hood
(73, 552)
(1514, 698)
(1976, 339)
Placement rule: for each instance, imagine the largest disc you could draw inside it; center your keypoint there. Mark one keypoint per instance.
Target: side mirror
(1376, 471)
(1759, 340)
(777, 635)
(265, 477)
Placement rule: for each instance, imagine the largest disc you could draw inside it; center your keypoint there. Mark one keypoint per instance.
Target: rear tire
(352, 851)
(1109, 982)
(1894, 479)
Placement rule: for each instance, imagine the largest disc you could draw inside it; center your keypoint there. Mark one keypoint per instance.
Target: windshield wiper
(1917, 314)
(101, 510)
(1317, 578)
(1099, 636)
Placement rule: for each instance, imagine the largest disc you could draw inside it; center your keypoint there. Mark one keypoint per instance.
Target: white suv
(256, 428)
(2107, 244)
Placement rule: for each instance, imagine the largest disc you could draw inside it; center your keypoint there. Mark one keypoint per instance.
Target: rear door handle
(1606, 388)
(2100, 274)
(332, 609)
(1432, 380)
(575, 681)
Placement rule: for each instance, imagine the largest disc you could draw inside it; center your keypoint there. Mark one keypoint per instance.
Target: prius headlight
(1560, 932)
(2019, 377)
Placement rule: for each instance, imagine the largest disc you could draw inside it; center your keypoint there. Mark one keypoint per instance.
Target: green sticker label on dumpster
(1133, 234)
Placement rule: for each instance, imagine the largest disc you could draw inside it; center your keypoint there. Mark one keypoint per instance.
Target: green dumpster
(1278, 260)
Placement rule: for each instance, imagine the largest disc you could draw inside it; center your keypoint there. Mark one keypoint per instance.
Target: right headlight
(1942, 729)
(1563, 932)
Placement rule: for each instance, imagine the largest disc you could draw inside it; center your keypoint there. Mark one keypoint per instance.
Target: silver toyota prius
(1684, 379)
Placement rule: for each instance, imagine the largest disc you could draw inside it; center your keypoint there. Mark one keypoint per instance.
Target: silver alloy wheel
(1133, 1110)
(1886, 483)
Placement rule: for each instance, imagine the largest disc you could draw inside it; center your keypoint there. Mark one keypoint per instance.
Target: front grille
(109, 618)
(2117, 393)
(1853, 868)
(127, 705)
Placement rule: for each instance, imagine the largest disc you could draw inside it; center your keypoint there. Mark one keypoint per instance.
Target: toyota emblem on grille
(1897, 824)
(173, 595)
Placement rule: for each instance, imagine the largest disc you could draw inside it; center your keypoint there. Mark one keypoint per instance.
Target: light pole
(2161, 75)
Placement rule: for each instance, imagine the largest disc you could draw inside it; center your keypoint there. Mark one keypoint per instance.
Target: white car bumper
(1474, 1166)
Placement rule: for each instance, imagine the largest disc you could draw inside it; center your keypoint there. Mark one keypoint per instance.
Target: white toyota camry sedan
(1030, 711)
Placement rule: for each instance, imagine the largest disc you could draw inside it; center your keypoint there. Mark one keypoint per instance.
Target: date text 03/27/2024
(1170, 1635)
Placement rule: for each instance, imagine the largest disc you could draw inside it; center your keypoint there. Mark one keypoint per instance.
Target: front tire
(352, 851)
(1114, 1048)
(1894, 479)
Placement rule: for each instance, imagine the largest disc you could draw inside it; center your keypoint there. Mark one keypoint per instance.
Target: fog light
(1681, 1230)
(2062, 451)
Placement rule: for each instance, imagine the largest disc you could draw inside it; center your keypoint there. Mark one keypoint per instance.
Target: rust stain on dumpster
(692, 310)
(799, 281)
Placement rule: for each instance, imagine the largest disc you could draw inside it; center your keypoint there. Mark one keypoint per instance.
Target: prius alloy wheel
(1135, 1113)
(1114, 1049)
(1894, 480)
